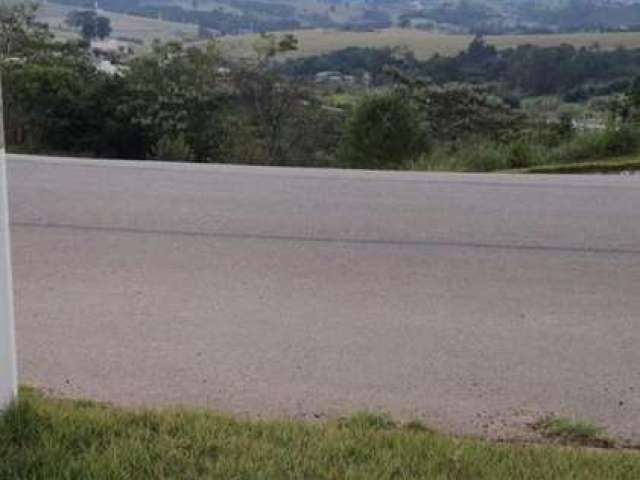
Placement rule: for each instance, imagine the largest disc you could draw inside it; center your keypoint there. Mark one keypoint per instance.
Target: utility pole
(8, 366)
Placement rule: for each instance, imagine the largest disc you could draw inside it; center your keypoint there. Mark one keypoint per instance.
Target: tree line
(523, 71)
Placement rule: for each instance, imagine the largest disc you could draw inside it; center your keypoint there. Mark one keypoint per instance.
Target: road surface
(473, 302)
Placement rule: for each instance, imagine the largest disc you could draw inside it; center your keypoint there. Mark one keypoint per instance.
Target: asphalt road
(474, 302)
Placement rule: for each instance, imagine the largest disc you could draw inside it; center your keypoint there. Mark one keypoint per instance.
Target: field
(53, 439)
(319, 41)
(424, 44)
(125, 27)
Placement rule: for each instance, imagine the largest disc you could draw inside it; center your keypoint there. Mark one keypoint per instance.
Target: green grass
(573, 431)
(615, 165)
(610, 150)
(43, 438)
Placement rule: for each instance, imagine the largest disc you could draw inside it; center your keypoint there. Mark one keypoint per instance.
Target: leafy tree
(457, 112)
(178, 91)
(55, 99)
(103, 27)
(384, 131)
(625, 109)
(275, 108)
(21, 36)
(90, 24)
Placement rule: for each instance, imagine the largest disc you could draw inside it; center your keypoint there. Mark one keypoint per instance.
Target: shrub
(482, 155)
(620, 141)
(384, 131)
(174, 149)
(474, 155)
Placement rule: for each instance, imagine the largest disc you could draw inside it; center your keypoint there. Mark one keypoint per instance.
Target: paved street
(473, 302)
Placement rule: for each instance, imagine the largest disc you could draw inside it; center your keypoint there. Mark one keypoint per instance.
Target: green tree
(384, 131)
(276, 110)
(21, 35)
(103, 27)
(177, 92)
(55, 99)
(89, 24)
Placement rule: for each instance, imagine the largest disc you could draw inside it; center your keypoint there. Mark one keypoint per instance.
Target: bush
(384, 131)
(620, 141)
(482, 155)
(594, 146)
(172, 149)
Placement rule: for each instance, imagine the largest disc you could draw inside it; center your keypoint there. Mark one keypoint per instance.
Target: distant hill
(142, 20)
(453, 16)
(136, 30)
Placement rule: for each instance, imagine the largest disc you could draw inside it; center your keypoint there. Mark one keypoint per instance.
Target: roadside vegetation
(615, 165)
(568, 431)
(44, 438)
(484, 109)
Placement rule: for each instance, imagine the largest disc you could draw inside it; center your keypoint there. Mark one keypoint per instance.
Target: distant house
(330, 77)
(588, 124)
(108, 54)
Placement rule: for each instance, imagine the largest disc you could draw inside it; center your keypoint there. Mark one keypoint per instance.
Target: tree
(625, 109)
(21, 36)
(384, 131)
(89, 24)
(55, 98)
(103, 27)
(178, 93)
(456, 112)
(273, 105)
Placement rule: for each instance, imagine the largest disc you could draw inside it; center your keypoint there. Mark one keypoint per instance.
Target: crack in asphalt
(327, 240)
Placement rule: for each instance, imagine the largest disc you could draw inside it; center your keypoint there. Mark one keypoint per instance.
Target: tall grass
(481, 155)
(47, 439)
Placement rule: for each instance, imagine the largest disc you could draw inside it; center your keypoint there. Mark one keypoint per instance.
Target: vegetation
(43, 438)
(133, 31)
(174, 99)
(388, 109)
(384, 131)
(426, 44)
(477, 16)
(477, 154)
(90, 24)
(572, 431)
(218, 19)
(524, 71)
(610, 166)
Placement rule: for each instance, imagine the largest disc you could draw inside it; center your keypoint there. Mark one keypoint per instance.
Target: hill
(424, 44)
(135, 29)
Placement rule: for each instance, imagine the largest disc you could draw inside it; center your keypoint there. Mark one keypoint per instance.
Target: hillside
(424, 44)
(135, 29)
(448, 16)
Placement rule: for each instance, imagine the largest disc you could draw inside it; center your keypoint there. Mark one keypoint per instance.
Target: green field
(424, 44)
(42, 438)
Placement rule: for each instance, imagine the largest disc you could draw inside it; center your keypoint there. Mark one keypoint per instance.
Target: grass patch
(43, 438)
(570, 431)
(609, 150)
(603, 166)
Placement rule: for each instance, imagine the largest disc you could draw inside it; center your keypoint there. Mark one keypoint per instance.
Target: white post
(8, 368)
